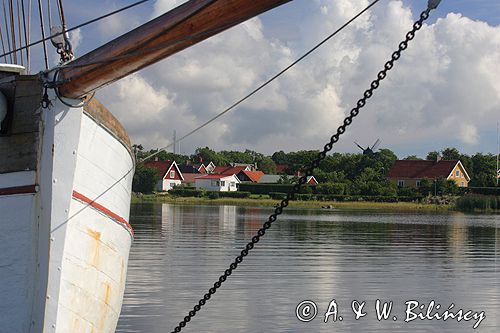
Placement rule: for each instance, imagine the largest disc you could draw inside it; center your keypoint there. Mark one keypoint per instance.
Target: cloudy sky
(443, 92)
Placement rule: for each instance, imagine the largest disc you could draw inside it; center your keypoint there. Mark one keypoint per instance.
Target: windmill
(369, 150)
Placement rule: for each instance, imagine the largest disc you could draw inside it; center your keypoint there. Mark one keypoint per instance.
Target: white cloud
(447, 77)
(469, 134)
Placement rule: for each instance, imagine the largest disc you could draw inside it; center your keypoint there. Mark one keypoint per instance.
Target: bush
(236, 194)
(470, 203)
(213, 194)
(182, 192)
(145, 179)
(277, 188)
(331, 188)
(305, 197)
(485, 190)
(277, 195)
(408, 192)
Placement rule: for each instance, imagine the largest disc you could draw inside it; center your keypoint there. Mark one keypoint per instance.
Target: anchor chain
(432, 4)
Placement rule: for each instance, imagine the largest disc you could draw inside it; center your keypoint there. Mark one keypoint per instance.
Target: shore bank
(350, 205)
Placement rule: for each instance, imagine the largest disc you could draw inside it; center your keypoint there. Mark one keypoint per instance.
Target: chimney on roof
(438, 158)
(156, 158)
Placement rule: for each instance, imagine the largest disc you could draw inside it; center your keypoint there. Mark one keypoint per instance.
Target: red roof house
(249, 176)
(169, 173)
(229, 170)
(217, 182)
(411, 172)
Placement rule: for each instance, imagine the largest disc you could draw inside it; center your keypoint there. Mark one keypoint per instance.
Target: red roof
(191, 177)
(421, 169)
(253, 175)
(213, 176)
(228, 170)
(281, 168)
(160, 166)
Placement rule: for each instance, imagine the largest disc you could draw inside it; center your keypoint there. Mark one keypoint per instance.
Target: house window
(462, 184)
(233, 184)
(222, 183)
(418, 183)
(172, 174)
(401, 183)
(215, 183)
(457, 173)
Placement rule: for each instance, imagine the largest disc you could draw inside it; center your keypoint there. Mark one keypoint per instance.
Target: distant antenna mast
(498, 151)
(175, 142)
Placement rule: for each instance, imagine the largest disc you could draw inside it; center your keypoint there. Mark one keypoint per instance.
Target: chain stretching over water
(309, 170)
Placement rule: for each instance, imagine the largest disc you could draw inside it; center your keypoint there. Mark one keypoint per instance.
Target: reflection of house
(411, 172)
(215, 182)
(169, 173)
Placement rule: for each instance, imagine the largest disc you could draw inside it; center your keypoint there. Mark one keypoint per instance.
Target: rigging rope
(309, 170)
(3, 44)
(44, 39)
(19, 31)
(13, 29)
(28, 50)
(25, 32)
(7, 31)
(42, 27)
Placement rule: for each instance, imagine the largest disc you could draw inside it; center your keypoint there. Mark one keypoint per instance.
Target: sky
(443, 92)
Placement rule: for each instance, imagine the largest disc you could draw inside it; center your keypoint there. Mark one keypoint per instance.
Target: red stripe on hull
(28, 189)
(103, 210)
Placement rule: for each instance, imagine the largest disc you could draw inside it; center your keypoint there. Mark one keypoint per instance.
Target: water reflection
(309, 254)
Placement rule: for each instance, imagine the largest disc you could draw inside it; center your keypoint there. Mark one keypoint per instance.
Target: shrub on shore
(477, 202)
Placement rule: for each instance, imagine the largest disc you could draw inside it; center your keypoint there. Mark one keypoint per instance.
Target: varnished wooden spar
(172, 32)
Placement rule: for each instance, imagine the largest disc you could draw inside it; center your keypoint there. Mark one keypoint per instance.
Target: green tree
(483, 170)
(450, 154)
(432, 156)
(238, 156)
(280, 157)
(426, 186)
(412, 158)
(145, 179)
(208, 155)
(266, 165)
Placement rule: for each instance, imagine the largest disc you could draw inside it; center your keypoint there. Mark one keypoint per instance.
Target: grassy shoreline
(350, 205)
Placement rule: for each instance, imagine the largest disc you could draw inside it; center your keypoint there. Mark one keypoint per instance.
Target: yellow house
(409, 173)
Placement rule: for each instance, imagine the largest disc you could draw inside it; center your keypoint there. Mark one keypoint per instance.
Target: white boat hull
(66, 239)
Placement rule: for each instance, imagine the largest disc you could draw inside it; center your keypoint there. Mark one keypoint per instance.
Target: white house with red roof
(170, 175)
(217, 182)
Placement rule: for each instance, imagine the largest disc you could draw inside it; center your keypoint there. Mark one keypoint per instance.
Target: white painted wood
(167, 184)
(14, 179)
(17, 261)
(221, 183)
(63, 263)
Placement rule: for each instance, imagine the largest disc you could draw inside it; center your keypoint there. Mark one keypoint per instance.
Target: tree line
(353, 173)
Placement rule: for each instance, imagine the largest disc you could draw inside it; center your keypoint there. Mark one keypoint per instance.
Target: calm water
(314, 255)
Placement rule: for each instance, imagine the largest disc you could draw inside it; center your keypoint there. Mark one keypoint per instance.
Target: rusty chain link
(309, 170)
